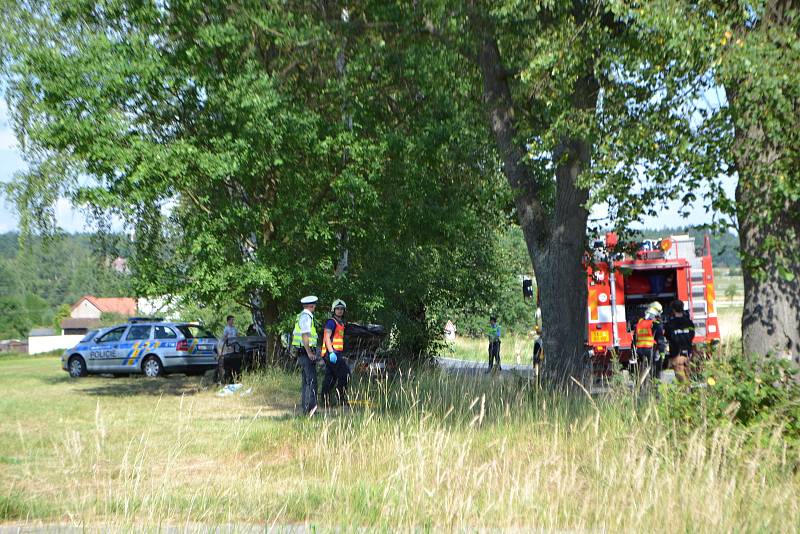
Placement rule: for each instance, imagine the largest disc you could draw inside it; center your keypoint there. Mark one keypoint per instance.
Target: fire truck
(623, 281)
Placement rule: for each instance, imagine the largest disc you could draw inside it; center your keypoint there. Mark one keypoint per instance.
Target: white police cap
(311, 299)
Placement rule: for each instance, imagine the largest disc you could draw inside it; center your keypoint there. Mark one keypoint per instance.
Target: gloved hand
(332, 357)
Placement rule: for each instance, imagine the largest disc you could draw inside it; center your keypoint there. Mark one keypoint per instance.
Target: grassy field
(513, 349)
(728, 286)
(430, 451)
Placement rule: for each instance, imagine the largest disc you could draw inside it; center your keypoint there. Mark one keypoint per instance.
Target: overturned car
(365, 352)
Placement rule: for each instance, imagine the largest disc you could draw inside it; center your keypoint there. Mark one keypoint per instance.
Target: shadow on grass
(108, 386)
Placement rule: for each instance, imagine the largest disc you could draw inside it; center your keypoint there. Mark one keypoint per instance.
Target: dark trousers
(337, 374)
(646, 357)
(494, 353)
(308, 391)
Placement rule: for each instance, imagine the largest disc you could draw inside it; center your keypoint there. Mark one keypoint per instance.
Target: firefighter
(304, 344)
(680, 334)
(494, 343)
(649, 336)
(336, 370)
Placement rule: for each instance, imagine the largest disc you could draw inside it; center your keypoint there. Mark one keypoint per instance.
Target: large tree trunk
(771, 315)
(559, 269)
(554, 237)
(769, 222)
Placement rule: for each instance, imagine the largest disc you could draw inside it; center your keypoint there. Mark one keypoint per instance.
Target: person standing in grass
(336, 370)
(494, 343)
(538, 350)
(680, 335)
(304, 344)
(224, 348)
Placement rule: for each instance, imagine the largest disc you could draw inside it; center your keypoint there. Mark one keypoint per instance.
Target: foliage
(732, 70)
(61, 313)
(15, 322)
(510, 262)
(44, 275)
(213, 317)
(249, 148)
(749, 51)
(745, 391)
(730, 291)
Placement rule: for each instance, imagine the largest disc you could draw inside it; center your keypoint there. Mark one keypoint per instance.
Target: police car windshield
(89, 336)
(191, 331)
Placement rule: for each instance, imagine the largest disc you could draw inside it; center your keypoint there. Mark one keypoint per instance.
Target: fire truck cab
(621, 285)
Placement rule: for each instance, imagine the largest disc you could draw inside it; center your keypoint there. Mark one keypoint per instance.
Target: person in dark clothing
(679, 332)
(336, 370)
(494, 343)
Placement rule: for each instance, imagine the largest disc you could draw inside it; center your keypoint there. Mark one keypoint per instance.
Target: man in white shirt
(304, 344)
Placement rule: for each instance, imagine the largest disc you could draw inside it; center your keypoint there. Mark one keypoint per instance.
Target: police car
(143, 345)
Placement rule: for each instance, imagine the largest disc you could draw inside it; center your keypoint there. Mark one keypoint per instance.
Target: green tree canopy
(251, 148)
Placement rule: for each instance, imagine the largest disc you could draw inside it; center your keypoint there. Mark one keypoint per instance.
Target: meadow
(429, 450)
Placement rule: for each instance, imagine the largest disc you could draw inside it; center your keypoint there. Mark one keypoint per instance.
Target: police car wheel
(77, 367)
(152, 367)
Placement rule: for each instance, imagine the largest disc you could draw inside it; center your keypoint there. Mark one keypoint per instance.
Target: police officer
(304, 344)
(336, 370)
(494, 343)
(680, 335)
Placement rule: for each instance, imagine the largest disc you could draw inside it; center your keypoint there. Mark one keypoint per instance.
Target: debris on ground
(230, 389)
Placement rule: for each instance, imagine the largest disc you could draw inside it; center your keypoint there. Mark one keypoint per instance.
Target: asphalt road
(474, 368)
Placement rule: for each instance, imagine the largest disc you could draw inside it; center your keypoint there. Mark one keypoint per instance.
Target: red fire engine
(622, 285)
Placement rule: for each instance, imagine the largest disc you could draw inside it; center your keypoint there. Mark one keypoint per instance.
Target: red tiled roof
(120, 305)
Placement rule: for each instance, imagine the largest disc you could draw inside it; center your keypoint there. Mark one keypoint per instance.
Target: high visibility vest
(337, 339)
(644, 334)
(297, 337)
(493, 332)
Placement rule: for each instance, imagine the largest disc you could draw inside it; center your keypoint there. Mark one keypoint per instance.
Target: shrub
(744, 391)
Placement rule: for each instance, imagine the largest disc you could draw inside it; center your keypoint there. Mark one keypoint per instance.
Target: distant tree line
(42, 279)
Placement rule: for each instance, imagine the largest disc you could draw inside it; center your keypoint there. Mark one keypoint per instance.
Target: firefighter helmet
(338, 303)
(653, 310)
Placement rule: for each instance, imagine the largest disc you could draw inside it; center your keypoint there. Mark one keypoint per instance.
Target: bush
(744, 391)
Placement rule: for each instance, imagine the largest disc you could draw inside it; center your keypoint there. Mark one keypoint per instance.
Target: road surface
(468, 367)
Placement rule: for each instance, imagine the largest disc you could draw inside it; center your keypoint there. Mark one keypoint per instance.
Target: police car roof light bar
(145, 319)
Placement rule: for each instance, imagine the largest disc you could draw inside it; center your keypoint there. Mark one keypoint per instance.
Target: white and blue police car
(143, 345)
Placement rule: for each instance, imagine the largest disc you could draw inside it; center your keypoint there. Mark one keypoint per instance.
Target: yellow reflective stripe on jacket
(644, 334)
(297, 336)
(337, 339)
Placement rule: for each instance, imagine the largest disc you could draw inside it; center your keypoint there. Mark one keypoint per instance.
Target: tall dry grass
(425, 451)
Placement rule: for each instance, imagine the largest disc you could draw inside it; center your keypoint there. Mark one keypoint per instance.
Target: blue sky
(72, 220)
